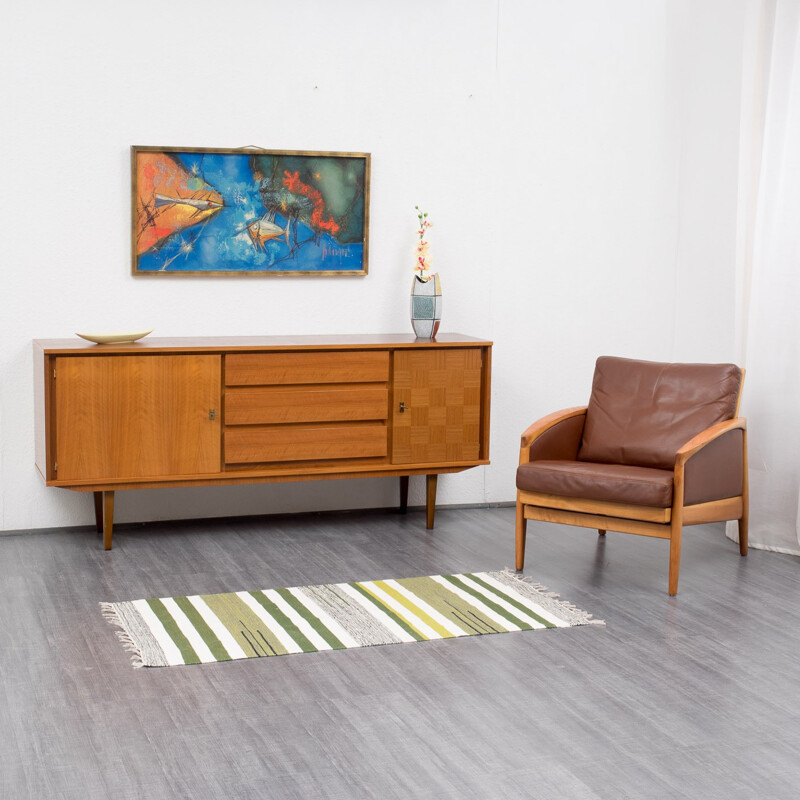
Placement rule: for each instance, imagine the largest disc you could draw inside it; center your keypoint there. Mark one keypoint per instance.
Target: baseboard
(123, 526)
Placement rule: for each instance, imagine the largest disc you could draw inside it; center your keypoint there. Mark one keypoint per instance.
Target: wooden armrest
(708, 435)
(545, 423)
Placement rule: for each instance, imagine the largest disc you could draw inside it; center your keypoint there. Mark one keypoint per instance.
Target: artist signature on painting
(336, 252)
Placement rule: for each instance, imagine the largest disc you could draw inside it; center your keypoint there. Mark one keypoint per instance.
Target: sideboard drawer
(304, 443)
(331, 366)
(274, 405)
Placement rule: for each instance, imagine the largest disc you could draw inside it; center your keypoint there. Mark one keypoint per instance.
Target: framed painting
(199, 211)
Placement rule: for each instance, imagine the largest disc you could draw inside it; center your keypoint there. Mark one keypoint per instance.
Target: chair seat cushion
(639, 486)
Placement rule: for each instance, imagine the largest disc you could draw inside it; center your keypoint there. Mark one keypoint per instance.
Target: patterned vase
(426, 306)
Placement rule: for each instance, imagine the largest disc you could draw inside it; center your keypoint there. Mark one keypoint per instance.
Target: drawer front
(300, 404)
(330, 366)
(304, 443)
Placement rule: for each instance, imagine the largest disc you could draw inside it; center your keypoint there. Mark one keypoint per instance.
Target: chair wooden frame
(662, 523)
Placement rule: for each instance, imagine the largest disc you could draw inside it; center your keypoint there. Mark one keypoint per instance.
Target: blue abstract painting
(221, 212)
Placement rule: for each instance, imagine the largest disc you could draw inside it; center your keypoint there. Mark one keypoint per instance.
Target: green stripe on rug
(286, 624)
(173, 631)
(388, 612)
(247, 629)
(438, 596)
(511, 601)
(313, 621)
(200, 625)
(488, 602)
(491, 601)
(416, 609)
(307, 619)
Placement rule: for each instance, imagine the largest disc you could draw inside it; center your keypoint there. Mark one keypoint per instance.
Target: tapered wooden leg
(98, 511)
(674, 559)
(403, 494)
(430, 499)
(108, 518)
(675, 536)
(601, 532)
(676, 528)
(743, 522)
(521, 535)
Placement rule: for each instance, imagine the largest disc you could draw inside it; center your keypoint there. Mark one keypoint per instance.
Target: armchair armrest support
(542, 426)
(707, 436)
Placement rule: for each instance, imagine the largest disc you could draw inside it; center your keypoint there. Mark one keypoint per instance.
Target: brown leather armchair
(658, 447)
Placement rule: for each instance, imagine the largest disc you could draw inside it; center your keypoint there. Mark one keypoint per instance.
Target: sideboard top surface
(244, 343)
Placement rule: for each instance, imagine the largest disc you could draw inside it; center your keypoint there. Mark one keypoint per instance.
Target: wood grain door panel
(137, 416)
(440, 392)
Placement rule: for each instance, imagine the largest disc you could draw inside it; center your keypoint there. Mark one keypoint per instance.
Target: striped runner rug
(199, 629)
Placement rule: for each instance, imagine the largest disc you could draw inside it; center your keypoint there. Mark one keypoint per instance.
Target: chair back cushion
(642, 412)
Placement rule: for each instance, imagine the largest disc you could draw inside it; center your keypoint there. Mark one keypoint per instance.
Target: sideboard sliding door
(436, 411)
(137, 416)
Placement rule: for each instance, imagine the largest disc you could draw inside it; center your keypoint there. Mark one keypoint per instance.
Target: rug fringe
(110, 615)
(543, 590)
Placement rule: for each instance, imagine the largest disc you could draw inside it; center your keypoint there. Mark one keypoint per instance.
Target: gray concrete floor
(696, 696)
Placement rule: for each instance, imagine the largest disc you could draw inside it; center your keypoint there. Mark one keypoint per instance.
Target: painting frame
(249, 211)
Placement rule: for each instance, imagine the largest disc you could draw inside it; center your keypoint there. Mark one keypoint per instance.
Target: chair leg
(601, 532)
(743, 534)
(521, 535)
(745, 498)
(674, 558)
(676, 528)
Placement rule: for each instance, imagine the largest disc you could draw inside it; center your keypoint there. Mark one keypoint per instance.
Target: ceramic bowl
(114, 337)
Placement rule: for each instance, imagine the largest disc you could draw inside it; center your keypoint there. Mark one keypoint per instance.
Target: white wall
(560, 149)
(706, 44)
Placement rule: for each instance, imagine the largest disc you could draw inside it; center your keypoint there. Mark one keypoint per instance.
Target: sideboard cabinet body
(188, 412)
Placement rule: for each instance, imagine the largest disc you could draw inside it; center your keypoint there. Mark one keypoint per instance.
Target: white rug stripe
(404, 613)
(267, 618)
(229, 644)
(503, 603)
(376, 613)
(505, 624)
(171, 652)
(447, 624)
(302, 623)
(329, 622)
(526, 601)
(188, 630)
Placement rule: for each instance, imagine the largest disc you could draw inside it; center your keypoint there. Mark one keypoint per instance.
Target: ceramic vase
(426, 306)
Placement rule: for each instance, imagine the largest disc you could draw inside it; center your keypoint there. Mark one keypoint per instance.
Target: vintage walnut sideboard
(204, 412)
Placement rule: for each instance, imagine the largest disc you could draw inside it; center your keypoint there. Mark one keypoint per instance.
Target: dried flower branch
(423, 259)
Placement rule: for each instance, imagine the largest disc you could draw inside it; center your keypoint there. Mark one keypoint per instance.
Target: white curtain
(769, 271)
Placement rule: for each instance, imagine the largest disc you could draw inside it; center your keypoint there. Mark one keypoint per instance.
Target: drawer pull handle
(212, 413)
(403, 407)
